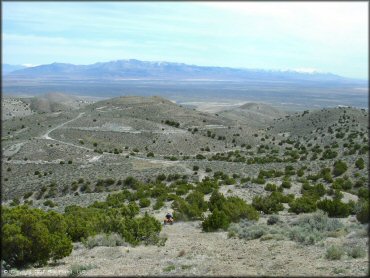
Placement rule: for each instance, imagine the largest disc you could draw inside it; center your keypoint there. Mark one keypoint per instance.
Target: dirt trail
(46, 135)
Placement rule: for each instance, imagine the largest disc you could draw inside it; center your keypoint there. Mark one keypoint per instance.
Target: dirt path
(46, 135)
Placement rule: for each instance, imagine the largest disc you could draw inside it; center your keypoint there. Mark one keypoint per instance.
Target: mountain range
(144, 70)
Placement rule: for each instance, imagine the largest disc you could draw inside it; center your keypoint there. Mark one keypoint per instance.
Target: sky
(304, 36)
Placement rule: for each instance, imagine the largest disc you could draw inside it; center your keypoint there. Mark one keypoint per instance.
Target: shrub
(309, 229)
(196, 199)
(334, 252)
(303, 204)
(363, 214)
(207, 186)
(270, 187)
(130, 182)
(363, 193)
(77, 270)
(273, 219)
(286, 184)
(144, 202)
(216, 220)
(236, 209)
(334, 208)
(159, 203)
(49, 203)
(360, 163)
(32, 236)
(356, 252)
(269, 204)
(339, 168)
(185, 211)
(247, 230)
(110, 240)
(150, 154)
(27, 195)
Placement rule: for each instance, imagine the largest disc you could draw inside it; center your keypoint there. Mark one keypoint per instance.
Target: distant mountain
(142, 70)
(10, 68)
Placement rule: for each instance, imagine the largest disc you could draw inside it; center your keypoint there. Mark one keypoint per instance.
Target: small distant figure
(168, 219)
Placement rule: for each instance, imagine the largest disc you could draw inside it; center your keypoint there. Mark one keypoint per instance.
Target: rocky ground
(190, 252)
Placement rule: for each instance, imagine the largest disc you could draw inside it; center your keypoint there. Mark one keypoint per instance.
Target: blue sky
(306, 36)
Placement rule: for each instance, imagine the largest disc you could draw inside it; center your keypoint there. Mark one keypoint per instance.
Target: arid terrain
(60, 151)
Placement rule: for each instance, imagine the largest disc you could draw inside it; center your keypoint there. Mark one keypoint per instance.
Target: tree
(32, 236)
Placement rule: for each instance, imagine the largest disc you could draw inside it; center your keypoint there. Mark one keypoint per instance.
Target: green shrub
(339, 168)
(216, 220)
(363, 193)
(236, 208)
(286, 184)
(303, 204)
(268, 204)
(185, 211)
(27, 195)
(207, 186)
(363, 214)
(159, 203)
(32, 236)
(144, 202)
(130, 182)
(196, 199)
(270, 187)
(334, 208)
(360, 163)
(334, 252)
(49, 203)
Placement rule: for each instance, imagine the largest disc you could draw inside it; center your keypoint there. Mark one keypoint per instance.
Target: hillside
(134, 155)
(254, 114)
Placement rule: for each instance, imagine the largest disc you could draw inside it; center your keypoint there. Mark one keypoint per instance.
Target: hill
(254, 114)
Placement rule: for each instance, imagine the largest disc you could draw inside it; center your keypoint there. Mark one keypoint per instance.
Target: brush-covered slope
(253, 114)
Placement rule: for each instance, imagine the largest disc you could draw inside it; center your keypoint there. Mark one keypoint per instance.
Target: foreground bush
(334, 252)
(339, 168)
(304, 204)
(335, 208)
(32, 236)
(307, 230)
(363, 214)
(235, 208)
(216, 220)
(268, 204)
(227, 210)
(110, 240)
